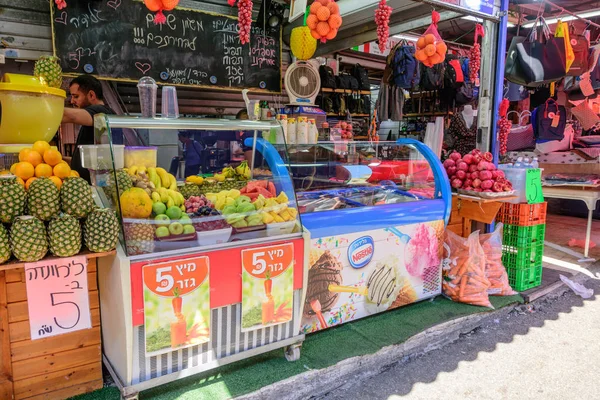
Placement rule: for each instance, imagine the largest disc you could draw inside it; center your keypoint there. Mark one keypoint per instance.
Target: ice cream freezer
(375, 244)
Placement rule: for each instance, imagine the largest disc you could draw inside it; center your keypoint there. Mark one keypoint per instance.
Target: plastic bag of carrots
(494, 269)
(431, 49)
(463, 271)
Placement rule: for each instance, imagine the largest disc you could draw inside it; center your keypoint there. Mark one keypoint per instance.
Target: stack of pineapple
(45, 218)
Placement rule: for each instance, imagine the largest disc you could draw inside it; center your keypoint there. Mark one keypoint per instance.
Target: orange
(29, 182)
(332, 34)
(312, 21)
(32, 157)
(41, 147)
(56, 181)
(441, 49)
(323, 13)
(324, 2)
(24, 170)
(62, 170)
(335, 21)
(23, 153)
(315, 34)
(420, 55)
(43, 170)
(314, 7)
(436, 59)
(421, 43)
(21, 181)
(74, 173)
(429, 50)
(429, 39)
(333, 8)
(323, 28)
(52, 157)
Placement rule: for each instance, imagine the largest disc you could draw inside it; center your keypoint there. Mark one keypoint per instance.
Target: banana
(152, 173)
(156, 197)
(183, 208)
(170, 203)
(164, 195)
(173, 184)
(181, 198)
(141, 170)
(164, 177)
(174, 195)
(132, 170)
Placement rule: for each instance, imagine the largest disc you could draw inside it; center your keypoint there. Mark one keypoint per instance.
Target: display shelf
(429, 114)
(88, 254)
(346, 91)
(352, 115)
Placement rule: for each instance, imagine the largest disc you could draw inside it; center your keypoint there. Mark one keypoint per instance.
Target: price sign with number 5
(273, 260)
(185, 276)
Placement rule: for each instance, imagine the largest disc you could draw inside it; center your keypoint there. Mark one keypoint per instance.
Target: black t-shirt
(86, 136)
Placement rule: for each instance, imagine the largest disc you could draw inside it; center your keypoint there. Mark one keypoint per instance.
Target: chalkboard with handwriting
(117, 39)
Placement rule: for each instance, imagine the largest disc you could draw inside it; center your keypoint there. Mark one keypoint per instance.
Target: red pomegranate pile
(476, 172)
(346, 129)
(382, 19)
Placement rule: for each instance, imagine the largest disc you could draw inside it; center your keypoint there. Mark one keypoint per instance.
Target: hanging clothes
(390, 102)
(464, 139)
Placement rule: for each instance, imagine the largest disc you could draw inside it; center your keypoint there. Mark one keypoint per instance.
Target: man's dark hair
(87, 83)
(241, 113)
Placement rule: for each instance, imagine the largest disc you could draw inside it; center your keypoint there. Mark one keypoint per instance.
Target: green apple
(162, 231)
(188, 229)
(159, 208)
(174, 212)
(176, 228)
(185, 220)
(162, 220)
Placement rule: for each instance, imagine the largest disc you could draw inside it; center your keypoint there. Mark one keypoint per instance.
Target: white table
(589, 195)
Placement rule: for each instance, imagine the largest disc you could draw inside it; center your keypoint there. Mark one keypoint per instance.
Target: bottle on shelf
(535, 163)
(519, 163)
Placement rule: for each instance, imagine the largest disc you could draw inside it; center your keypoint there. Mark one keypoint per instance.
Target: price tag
(533, 186)
(267, 286)
(57, 296)
(176, 304)
(555, 119)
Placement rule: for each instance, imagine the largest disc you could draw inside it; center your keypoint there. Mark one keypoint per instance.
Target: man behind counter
(88, 100)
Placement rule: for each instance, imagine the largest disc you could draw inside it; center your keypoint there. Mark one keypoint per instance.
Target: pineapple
(139, 237)
(28, 241)
(4, 245)
(76, 197)
(124, 183)
(101, 230)
(43, 199)
(64, 235)
(12, 199)
(190, 189)
(49, 71)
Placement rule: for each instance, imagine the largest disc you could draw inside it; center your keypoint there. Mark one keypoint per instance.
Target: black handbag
(361, 75)
(542, 56)
(327, 77)
(513, 71)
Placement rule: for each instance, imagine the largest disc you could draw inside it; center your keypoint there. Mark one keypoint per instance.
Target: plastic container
(209, 238)
(519, 236)
(523, 214)
(98, 156)
(281, 228)
(518, 177)
(147, 88)
(30, 110)
(170, 105)
(140, 156)
(524, 279)
(520, 257)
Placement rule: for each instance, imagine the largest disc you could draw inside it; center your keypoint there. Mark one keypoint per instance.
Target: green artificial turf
(320, 350)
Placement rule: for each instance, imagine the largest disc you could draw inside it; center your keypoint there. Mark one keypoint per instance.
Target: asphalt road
(549, 352)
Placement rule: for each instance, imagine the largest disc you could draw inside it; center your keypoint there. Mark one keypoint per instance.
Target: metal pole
(499, 83)
(562, 9)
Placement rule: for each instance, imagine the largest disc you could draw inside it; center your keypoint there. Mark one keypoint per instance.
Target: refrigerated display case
(376, 214)
(207, 273)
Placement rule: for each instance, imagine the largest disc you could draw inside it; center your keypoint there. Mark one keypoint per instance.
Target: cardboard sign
(533, 186)
(57, 296)
(176, 304)
(267, 286)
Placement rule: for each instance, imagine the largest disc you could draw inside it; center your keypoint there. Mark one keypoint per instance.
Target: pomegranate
(462, 166)
(476, 183)
(382, 19)
(497, 187)
(482, 165)
(456, 183)
(468, 158)
(485, 175)
(487, 156)
(487, 184)
(475, 175)
(455, 155)
(451, 170)
(462, 175)
(472, 168)
(468, 182)
(449, 163)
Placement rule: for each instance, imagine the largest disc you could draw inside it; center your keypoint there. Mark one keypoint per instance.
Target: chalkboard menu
(117, 39)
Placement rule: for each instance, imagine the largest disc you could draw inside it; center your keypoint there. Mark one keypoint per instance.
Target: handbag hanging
(542, 56)
(562, 30)
(581, 51)
(513, 71)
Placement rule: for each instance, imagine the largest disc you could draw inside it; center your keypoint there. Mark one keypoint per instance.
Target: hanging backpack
(366, 104)
(405, 67)
(581, 51)
(327, 77)
(453, 76)
(361, 75)
(339, 104)
(432, 78)
(328, 105)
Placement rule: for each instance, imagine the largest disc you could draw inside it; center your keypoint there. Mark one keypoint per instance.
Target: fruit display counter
(210, 268)
(376, 214)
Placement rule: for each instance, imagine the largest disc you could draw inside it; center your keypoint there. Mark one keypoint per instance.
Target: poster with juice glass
(267, 286)
(176, 304)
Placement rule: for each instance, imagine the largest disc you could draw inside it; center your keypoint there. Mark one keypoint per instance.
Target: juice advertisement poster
(176, 304)
(267, 286)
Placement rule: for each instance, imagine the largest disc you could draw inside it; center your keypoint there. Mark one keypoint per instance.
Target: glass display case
(184, 183)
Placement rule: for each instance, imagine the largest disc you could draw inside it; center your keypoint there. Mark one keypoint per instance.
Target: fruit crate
(520, 236)
(523, 214)
(521, 257)
(7, 160)
(525, 278)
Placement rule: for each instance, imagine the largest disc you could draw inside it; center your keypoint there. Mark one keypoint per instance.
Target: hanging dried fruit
(382, 19)
(244, 18)
(475, 56)
(504, 126)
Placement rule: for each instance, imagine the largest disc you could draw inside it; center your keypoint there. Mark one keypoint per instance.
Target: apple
(162, 231)
(159, 208)
(174, 212)
(185, 220)
(188, 229)
(176, 228)
(162, 220)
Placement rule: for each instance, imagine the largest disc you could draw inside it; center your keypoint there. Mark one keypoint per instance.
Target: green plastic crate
(525, 278)
(522, 236)
(521, 257)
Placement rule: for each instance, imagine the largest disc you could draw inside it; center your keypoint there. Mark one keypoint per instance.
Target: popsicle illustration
(316, 307)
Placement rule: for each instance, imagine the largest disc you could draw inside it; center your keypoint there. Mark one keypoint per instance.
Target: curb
(308, 384)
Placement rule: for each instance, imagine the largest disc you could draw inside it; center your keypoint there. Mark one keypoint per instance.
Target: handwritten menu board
(117, 39)
(57, 296)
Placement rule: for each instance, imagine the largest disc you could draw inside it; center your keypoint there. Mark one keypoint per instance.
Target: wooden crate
(467, 209)
(57, 367)
(458, 224)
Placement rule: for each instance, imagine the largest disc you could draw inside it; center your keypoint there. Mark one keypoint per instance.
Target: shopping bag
(513, 71)
(542, 56)
(587, 118)
(562, 30)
